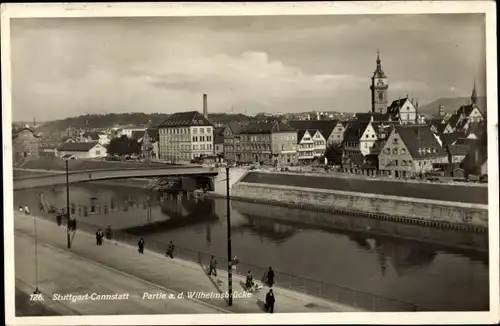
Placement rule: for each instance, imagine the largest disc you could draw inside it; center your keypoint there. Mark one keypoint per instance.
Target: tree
(333, 153)
(124, 146)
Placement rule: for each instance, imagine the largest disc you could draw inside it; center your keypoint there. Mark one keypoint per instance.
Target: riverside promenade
(117, 268)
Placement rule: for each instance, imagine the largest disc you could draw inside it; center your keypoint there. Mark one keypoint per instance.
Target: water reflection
(372, 256)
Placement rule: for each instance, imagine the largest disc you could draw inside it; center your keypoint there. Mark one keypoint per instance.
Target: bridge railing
(331, 292)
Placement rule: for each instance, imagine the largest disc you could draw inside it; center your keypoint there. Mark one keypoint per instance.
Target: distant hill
(450, 105)
(109, 120)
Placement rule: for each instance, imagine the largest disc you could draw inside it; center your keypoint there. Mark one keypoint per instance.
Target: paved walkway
(118, 268)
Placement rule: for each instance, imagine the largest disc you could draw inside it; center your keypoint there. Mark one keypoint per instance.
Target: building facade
(404, 111)
(82, 150)
(410, 150)
(219, 141)
(150, 144)
(311, 145)
(268, 143)
(25, 144)
(232, 141)
(185, 136)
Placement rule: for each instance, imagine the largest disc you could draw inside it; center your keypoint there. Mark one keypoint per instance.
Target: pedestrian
(141, 246)
(270, 300)
(212, 266)
(98, 237)
(73, 224)
(101, 236)
(109, 233)
(270, 277)
(21, 208)
(249, 281)
(170, 250)
(59, 219)
(26, 210)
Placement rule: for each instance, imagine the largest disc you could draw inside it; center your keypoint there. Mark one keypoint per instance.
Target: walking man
(26, 210)
(213, 266)
(59, 219)
(170, 250)
(270, 277)
(141, 246)
(98, 237)
(270, 300)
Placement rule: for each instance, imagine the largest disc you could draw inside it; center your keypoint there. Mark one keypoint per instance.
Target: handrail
(336, 293)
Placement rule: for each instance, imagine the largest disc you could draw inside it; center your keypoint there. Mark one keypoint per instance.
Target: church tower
(473, 97)
(441, 112)
(379, 88)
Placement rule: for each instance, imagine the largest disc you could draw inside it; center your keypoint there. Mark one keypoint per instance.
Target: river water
(444, 270)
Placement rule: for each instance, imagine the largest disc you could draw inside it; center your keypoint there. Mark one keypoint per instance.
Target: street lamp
(36, 257)
(229, 258)
(67, 207)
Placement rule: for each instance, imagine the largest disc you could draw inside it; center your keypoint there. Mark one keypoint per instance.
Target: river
(446, 270)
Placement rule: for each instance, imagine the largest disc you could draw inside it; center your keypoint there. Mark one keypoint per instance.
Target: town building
(93, 136)
(25, 144)
(476, 160)
(410, 150)
(149, 144)
(82, 150)
(128, 130)
(232, 141)
(219, 141)
(404, 111)
(185, 136)
(437, 125)
(331, 130)
(268, 143)
(311, 145)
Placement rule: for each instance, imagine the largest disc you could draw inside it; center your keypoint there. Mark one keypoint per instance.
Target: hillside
(109, 120)
(451, 105)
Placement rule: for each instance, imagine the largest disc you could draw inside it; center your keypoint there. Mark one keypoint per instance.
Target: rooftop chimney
(205, 109)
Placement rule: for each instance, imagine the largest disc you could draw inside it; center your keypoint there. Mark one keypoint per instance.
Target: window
(97, 152)
(395, 162)
(395, 151)
(202, 130)
(394, 140)
(195, 130)
(403, 151)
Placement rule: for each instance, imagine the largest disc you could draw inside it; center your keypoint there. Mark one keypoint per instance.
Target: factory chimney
(205, 109)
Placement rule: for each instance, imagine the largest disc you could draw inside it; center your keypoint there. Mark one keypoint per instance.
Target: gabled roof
(467, 109)
(461, 123)
(366, 117)
(383, 129)
(437, 122)
(77, 147)
(451, 138)
(186, 119)
(355, 130)
(396, 106)
(325, 127)
(458, 150)
(266, 128)
(236, 127)
(477, 128)
(453, 120)
(466, 141)
(420, 141)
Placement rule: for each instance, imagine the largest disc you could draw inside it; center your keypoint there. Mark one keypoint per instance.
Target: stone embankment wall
(473, 217)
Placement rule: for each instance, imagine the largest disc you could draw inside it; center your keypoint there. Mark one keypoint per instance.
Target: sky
(64, 67)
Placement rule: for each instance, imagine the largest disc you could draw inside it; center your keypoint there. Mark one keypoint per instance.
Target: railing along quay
(331, 292)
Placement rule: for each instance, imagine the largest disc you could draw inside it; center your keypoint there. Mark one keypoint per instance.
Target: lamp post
(36, 257)
(229, 258)
(67, 207)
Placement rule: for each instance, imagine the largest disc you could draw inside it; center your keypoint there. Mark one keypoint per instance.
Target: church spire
(379, 72)
(473, 97)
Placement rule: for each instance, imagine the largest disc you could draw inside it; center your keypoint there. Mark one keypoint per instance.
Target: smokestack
(205, 109)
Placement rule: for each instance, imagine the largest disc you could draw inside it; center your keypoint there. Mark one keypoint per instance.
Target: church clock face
(380, 82)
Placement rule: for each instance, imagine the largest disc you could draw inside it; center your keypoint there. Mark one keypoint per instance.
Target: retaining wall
(455, 215)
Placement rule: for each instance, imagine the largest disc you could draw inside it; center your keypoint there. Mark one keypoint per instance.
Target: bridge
(192, 172)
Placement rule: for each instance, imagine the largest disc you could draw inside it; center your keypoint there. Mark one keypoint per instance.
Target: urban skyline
(245, 64)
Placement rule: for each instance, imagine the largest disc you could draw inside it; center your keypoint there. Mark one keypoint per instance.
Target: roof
(451, 138)
(236, 127)
(396, 106)
(186, 119)
(466, 109)
(137, 134)
(325, 127)
(92, 134)
(266, 128)
(453, 120)
(365, 117)
(458, 150)
(477, 128)
(461, 124)
(466, 141)
(436, 122)
(77, 147)
(219, 135)
(383, 129)
(420, 141)
(16, 133)
(355, 130)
